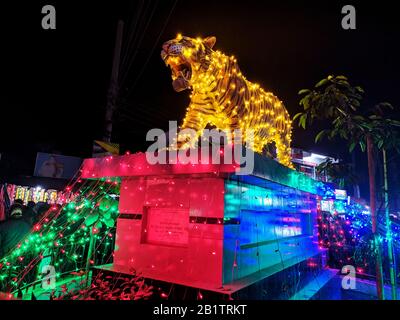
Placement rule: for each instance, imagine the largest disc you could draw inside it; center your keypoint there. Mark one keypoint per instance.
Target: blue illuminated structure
(270, 224)
(276, 226)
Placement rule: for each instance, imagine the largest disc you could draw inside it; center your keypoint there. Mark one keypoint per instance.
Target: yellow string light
(223, 97)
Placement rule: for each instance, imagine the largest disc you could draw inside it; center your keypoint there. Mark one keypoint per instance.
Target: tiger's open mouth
(181, 71)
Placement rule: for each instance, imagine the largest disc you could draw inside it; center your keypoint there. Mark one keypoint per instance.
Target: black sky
(54, 87)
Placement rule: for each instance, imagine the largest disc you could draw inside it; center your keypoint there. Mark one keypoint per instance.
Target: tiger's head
(186, 56)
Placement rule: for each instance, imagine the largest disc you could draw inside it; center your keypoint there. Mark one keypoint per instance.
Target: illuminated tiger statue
(223, 97)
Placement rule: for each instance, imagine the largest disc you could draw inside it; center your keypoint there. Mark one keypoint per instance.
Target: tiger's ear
(210, 41)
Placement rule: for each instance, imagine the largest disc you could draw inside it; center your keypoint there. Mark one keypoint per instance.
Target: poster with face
(56, 166)
(51, 168)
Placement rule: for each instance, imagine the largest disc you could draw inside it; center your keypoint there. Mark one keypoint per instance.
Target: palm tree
(334, 99)
(387, 137)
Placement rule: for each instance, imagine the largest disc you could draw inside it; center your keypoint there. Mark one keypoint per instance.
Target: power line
(152, 50)
(144, 114)
(132, 25)
(145, 108)
(139, 43)
(133, 32)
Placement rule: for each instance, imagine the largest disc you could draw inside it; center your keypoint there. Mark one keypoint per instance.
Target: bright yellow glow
(221, 96)
(187, 52)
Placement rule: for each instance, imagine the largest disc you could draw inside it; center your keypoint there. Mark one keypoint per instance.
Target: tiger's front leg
(192, 128)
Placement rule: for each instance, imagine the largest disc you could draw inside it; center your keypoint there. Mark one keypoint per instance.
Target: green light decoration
(271, 170)
(62, 238)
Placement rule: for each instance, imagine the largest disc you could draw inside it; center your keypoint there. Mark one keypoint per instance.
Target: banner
(56, 166)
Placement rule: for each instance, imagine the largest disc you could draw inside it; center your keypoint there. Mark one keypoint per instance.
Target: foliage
(104, 212)
(334, 98)
(340, 173)
(107, 288)
(61, 237)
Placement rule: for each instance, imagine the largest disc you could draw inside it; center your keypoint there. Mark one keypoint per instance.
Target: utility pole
(114, 86)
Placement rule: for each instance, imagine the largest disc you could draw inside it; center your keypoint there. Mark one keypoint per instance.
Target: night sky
(54, 87)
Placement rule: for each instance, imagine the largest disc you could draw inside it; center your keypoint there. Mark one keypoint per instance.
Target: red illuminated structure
(206, 227)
